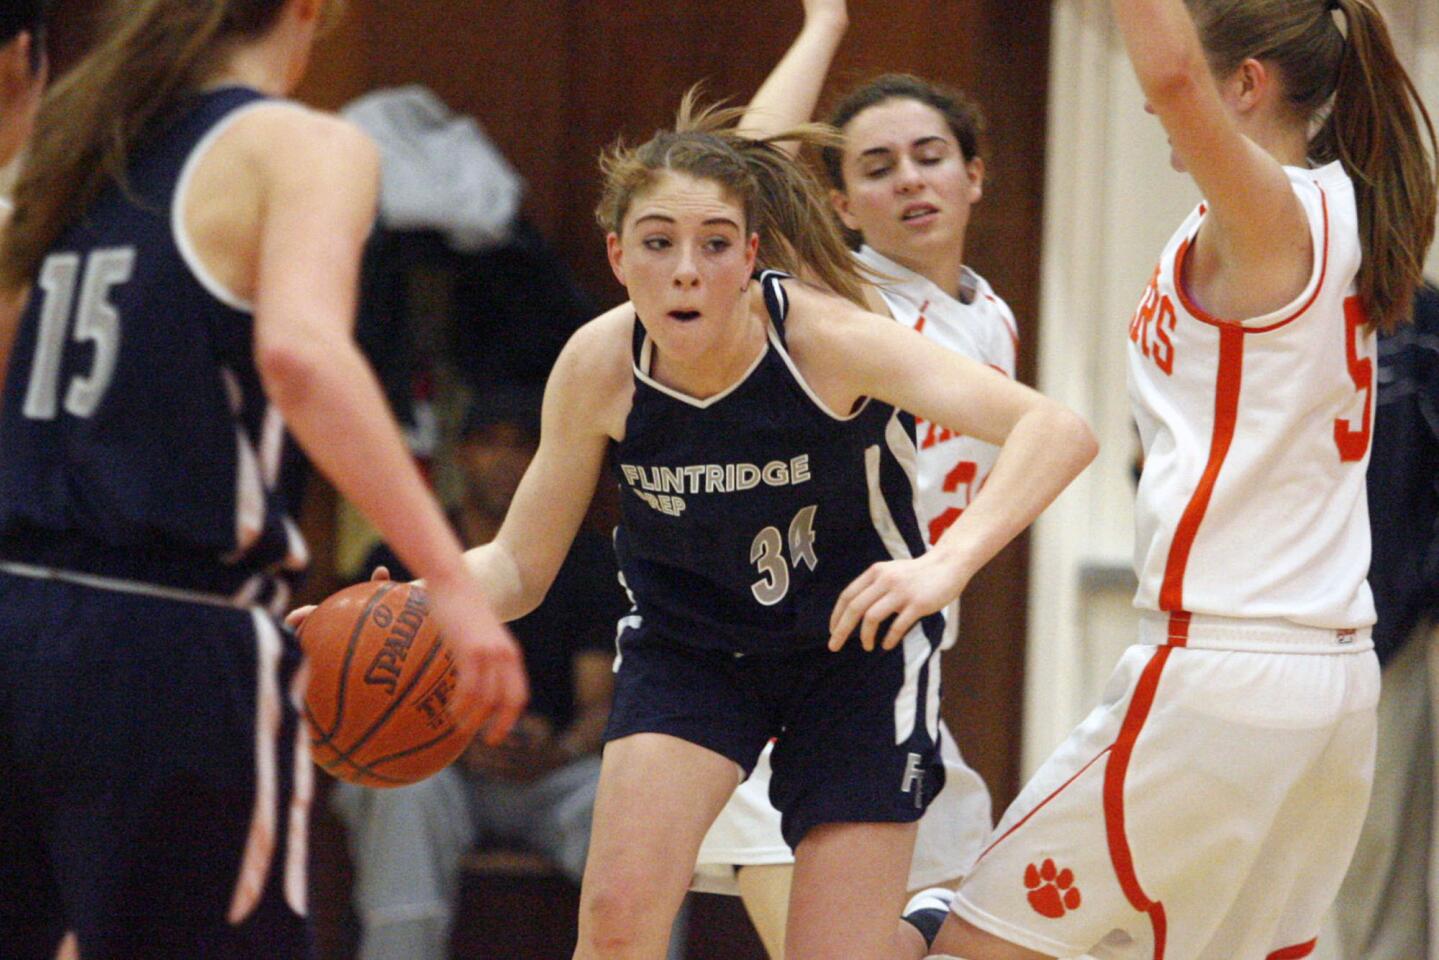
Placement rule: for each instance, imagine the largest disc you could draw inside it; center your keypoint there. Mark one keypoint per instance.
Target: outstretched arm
(585, 403)
(1255, 240)
(790, 93)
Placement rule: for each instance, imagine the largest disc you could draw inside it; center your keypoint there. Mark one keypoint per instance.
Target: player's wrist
(828, 22)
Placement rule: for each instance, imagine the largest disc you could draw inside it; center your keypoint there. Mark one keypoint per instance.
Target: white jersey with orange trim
(977, 324)
(1256, 437)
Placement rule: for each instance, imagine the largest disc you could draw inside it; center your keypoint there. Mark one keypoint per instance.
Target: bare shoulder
(291, 142)
(825, 327)
(593, 380)
(833, 342)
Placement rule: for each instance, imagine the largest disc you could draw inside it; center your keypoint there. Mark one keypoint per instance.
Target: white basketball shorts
(1206, 810)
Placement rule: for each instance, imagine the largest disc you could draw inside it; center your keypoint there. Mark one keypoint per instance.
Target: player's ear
(840, 201)
(616, 253)
(974, 169)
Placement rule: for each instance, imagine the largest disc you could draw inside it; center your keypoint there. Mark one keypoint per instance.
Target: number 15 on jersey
(96, 319)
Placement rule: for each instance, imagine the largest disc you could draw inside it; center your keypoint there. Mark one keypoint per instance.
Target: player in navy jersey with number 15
(190, 242)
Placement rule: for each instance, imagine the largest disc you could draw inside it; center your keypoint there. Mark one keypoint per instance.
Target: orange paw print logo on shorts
(1052, 892)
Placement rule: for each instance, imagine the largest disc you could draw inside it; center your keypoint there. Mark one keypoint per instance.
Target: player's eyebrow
(711, 222)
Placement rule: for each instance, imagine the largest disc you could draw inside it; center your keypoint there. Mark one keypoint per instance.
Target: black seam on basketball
(361, 769)
(360, 622)
(399, 698)
(410, 751)
(368, 769)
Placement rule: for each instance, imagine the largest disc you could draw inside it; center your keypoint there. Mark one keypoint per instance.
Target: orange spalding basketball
(380, 676)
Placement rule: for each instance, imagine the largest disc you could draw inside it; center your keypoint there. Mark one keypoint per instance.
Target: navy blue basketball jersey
(744, 516)
(136, 440)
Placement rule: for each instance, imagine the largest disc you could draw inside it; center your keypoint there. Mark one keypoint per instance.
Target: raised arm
(1255, 254)
(585, 404)
(790, 93)
(317, 179)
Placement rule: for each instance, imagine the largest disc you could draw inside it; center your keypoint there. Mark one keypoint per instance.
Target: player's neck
(945, 270)
(721, 366)
(263, 66)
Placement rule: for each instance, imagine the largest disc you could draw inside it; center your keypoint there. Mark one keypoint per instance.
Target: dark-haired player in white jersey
(191, 244)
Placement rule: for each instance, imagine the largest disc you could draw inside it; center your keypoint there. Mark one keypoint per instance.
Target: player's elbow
(1173, 80)
(1069, 435)
(289, 368)
(1083, 444)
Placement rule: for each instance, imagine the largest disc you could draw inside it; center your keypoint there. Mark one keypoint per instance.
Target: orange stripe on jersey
(1179, 628)
(1295, 952)
(1114, 773)
(1226, 414)
(1013, 329)
(1199, 313)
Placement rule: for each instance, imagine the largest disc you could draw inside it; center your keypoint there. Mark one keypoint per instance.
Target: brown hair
(1375, 125)
(965, 119)
(782, 200)
(150, 57)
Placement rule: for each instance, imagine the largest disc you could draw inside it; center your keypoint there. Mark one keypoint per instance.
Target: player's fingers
(849, 616)
(880, 608)
(847, 595)
(381, 572)
(514, 696)
(903, 622)
(297, 616)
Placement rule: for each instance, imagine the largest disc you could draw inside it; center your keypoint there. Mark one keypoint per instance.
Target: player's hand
(492, 685)
(297, 616)
(903, 589)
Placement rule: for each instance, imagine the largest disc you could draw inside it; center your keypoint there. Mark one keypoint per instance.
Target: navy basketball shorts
(155, 781)
(857, 730)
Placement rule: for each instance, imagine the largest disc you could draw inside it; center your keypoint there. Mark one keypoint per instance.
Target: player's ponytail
(151, 56)
(1378, 128)
(1338, 67)
(783, 201)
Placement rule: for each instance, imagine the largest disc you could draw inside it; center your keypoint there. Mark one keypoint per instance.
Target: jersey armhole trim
(181, 236)
(1296, 308)
(804, 384)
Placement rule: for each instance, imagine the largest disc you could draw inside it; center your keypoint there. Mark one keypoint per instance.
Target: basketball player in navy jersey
(768, 537)
(191, 244)
(22, 72)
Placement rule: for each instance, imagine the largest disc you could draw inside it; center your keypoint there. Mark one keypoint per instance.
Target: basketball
(380, 678)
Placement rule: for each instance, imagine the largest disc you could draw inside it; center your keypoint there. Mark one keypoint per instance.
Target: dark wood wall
(555, 80)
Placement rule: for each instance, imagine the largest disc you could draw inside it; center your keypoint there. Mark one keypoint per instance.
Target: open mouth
(918, 212)
(684, 316)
